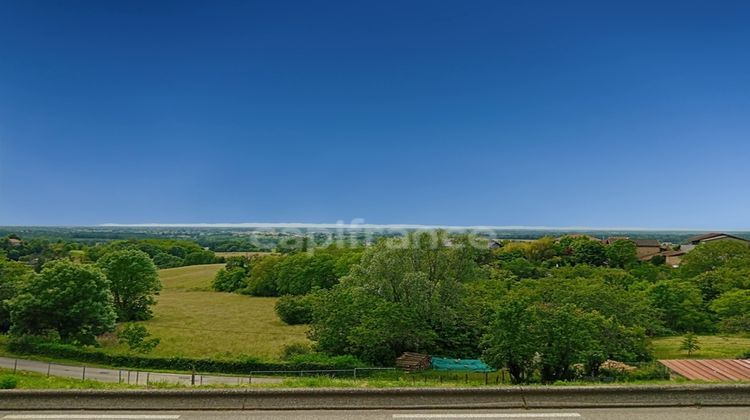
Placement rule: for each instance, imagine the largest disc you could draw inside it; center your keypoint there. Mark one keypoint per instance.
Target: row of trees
(76, 302)
(292, 274)
(166, 253)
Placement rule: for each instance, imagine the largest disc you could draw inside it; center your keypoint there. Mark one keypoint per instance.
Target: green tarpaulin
(464, 365)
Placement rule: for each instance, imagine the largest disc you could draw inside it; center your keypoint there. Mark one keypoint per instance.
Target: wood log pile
(412, 362)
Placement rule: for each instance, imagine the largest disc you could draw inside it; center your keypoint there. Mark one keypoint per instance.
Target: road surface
(713, 413)
(124, 375)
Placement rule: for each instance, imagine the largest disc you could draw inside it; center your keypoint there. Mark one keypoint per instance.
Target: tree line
(166, 253)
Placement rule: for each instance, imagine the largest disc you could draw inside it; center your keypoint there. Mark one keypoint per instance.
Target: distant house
(710, 237)
(496, 244)
(644, 248)
(14, 241)
(673, 258)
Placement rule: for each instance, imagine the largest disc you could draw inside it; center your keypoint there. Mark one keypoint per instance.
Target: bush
(649, 372)
(30, 345)
(295, 349)
(230, 280)
(8, 382)
(295, 310)
(137, 338)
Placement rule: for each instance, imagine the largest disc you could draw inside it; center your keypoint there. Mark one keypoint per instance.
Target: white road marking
(487, 416)
(95, 416)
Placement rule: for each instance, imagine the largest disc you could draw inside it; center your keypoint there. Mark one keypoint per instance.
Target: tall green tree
(512, 341)
(134, 282)
(13, 275)
(681, 306)
(405, 294)
(69, 299)
(622, 253)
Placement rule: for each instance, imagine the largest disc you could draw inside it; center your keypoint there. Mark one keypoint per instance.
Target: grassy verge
(711, 347)
(193, 321)
(30, 380)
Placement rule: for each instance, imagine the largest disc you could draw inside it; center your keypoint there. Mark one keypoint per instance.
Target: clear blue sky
(555, 113)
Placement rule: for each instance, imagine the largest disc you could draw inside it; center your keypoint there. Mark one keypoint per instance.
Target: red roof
(710, 369)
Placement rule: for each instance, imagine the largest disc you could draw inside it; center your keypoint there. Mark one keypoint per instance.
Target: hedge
(244, 365)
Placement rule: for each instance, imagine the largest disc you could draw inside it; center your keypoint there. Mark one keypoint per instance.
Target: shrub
(230, 280)
(8, 382)
(295, 310)
(295, 349)
(649, 371)
(137, 338)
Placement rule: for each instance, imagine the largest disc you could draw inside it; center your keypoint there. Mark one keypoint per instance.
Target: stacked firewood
(412, 362)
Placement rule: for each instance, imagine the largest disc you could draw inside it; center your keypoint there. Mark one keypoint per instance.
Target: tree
(622, 253)
(734, 309)
(230, 279)
(294, 310)
(136, 336)
(587, 251)
(406, 294)
(511, 342)
(713, 255)
(263, 275)
(134, 282)
(12, 277)
(681, 306)
(69, 299)
(690, 344)
(297, 274)
(552, 337)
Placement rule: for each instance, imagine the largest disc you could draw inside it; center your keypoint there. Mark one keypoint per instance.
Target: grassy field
(193, 321)
(712, 347)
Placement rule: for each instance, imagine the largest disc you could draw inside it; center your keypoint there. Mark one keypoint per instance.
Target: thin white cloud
(342, 225)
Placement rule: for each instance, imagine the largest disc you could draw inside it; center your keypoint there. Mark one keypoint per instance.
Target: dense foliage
(133, 281)
(68, 299)
(286, 274)
(166, 253)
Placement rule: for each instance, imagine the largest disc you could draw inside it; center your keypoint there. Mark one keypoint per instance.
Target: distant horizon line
(391, 226)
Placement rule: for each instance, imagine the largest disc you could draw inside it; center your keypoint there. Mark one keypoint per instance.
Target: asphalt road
(124, 375)
(713, 413)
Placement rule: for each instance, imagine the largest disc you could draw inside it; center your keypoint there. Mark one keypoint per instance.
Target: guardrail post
(250, 378)
(137, 375)
(119, 376)
(128, 377)
(84, 372)
(49, 366)
(15, 366)
(355, 374)
(192, 377)
(485, 378)
(201, 380)
(148, 376)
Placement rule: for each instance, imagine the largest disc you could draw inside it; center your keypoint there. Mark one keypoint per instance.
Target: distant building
(710, 237)
(14, 242)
